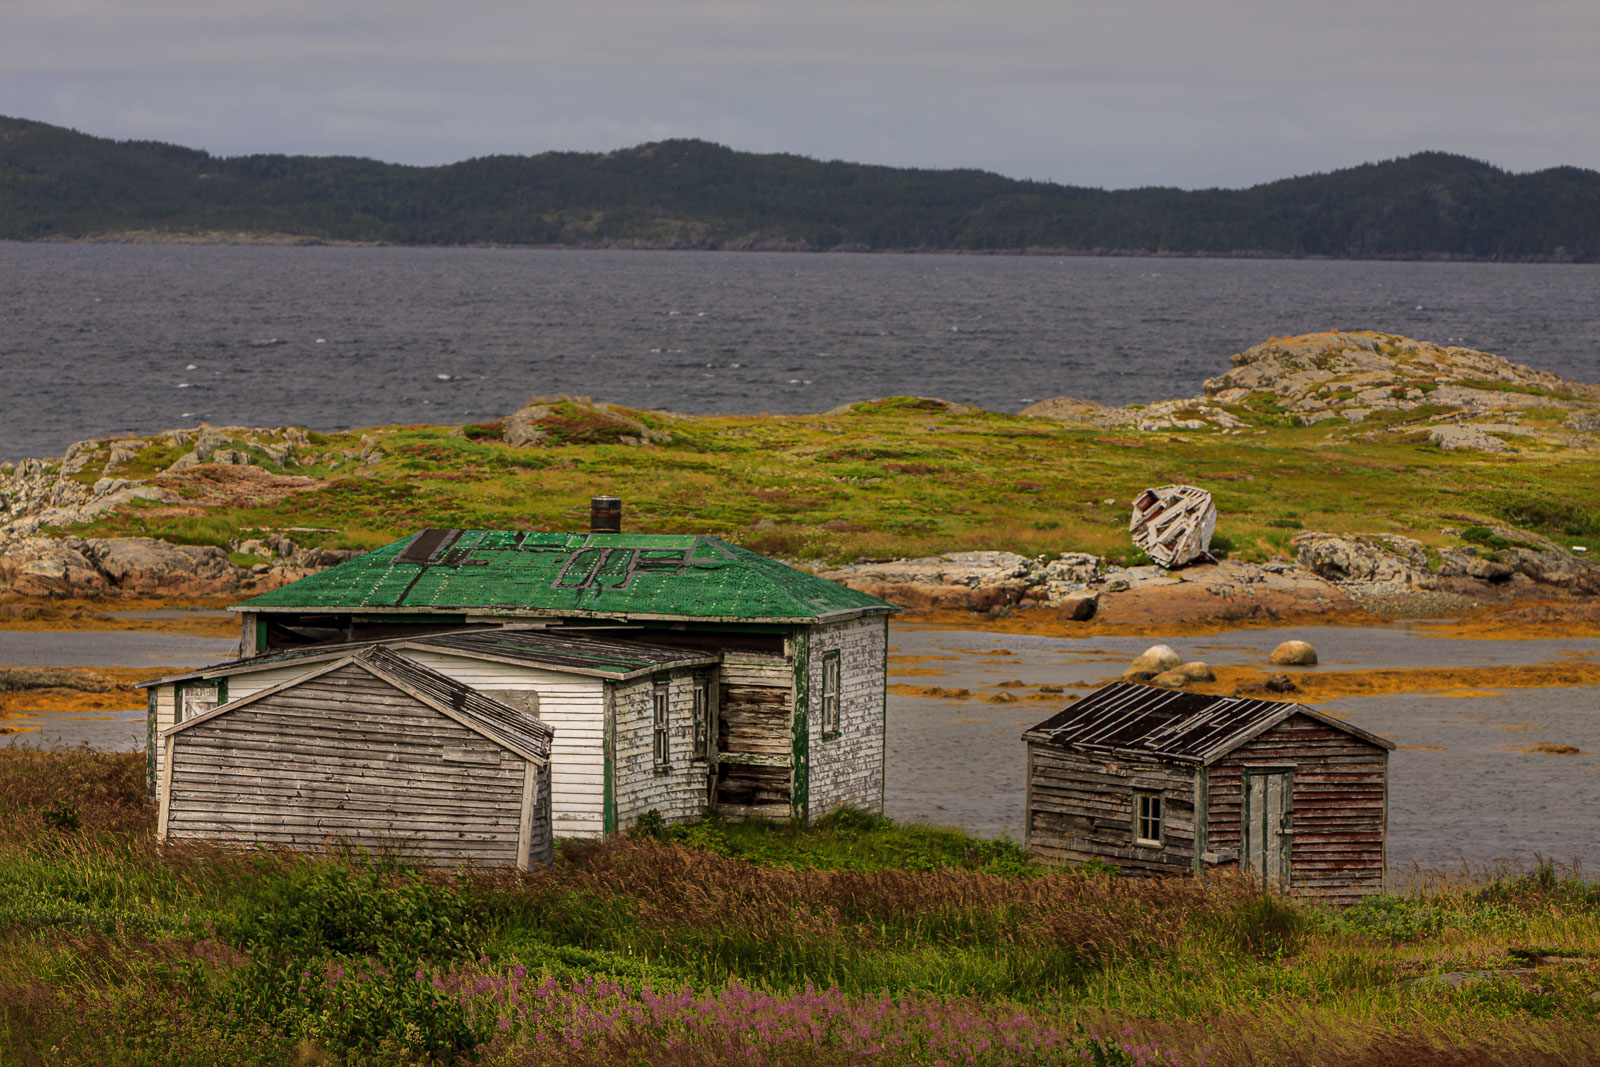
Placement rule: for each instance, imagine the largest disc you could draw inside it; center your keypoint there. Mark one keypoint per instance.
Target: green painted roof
(659, 576)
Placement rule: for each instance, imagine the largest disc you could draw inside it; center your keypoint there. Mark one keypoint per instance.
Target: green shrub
(310, 908)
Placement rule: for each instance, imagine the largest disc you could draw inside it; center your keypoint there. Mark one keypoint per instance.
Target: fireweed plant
(853, 941)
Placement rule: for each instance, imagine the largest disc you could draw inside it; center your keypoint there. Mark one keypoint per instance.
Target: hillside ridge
(60, 184)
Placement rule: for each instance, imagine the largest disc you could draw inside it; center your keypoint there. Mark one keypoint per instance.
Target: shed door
(1268, 808)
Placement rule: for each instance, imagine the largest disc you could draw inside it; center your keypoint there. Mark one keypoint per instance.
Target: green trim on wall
(800, 751)
(150, 740)
(222, 690)
(608, 794)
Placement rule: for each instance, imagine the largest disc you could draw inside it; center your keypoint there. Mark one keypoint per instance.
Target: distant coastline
(293, 240)
(694, 195)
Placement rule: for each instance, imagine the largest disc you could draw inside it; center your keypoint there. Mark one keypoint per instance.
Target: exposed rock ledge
(145, 566)
(1330, 573)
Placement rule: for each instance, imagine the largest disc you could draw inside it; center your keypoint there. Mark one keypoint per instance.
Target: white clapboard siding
(573, 705)
(166, 706)
(847, 770)
(346, 757)
(677, 790)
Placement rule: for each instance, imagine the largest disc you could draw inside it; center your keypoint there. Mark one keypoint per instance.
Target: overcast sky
(1091, 92)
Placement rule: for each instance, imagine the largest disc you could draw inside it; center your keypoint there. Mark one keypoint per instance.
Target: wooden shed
(801, 662)
(1158, 781)
(370, 749)
(633, 722)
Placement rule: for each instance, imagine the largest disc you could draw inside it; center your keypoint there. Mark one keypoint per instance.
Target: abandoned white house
(1159, 781)
(679, 673)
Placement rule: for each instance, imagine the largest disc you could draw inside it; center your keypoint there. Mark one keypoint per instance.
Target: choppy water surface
(103, 339)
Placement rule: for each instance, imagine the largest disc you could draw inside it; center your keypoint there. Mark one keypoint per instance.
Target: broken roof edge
(1225, 747)
(311, 654)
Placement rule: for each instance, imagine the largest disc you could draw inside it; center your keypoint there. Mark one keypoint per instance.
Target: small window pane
(662, 750)
(702, 717)
(1147, 817)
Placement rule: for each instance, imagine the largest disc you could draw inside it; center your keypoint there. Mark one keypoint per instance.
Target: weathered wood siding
(755, 721)
(677, 790)
(160, 713)
(346, 755)
(1339, 811)
(1081, 807)
(847, 769)
(573, 705)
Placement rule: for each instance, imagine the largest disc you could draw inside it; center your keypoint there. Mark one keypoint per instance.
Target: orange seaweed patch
(1424, 748)
(123, 697)
(1045, 622)
(910, 672)
(33, 613)
(919, 659)
(1522, 622)
(1331, 685)
(930, 691)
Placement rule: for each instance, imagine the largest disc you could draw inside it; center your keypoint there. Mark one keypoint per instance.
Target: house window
(830, 695)
(197, 699)
(662, 747)
(1147, 818)
(702, 716)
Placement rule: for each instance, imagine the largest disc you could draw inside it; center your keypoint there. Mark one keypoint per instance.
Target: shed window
(663, 750)
(702, 716)
(1147, 818)
(830, 695)
(197, 699)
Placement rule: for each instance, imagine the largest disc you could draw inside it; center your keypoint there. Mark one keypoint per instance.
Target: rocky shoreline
(1329, 574)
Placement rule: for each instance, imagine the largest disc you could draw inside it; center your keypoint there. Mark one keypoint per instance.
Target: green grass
(894, 478)
(117, 951)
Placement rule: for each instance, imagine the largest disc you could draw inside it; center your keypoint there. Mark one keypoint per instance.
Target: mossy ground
(853, 941)
(885, 479)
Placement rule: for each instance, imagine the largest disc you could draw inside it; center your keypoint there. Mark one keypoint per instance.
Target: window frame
(1145, 818)
(702, 717)
(210, 695)
(661, 724)
(829, 701)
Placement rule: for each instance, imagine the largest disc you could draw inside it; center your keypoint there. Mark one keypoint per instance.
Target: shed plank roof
(579, 653)
(502, 571)
(507, 726)
(1169, 724)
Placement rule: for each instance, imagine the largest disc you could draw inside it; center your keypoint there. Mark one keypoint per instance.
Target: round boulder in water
(1294, 654)
(1151, 662)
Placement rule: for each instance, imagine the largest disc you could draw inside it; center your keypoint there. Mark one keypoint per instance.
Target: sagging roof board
(1126, 719)
(572, 654)
(518, 731)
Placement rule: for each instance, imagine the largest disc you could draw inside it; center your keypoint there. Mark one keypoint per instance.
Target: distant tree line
(58, 183)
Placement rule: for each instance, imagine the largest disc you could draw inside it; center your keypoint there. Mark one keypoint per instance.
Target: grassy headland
(850, 942)
(891, 478)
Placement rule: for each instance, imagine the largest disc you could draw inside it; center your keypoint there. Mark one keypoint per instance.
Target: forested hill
(57, 183)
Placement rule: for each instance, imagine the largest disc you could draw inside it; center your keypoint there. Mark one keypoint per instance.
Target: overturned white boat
(1173, 524)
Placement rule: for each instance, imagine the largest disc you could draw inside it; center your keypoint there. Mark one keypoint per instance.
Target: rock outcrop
(1462, 399)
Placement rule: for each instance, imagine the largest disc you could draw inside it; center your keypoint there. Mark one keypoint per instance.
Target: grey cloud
(1197, 93)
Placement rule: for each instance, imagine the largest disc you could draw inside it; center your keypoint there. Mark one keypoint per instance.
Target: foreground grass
(888, 478)
(855, 941)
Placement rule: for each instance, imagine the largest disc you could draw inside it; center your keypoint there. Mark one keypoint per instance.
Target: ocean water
(105, 339)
